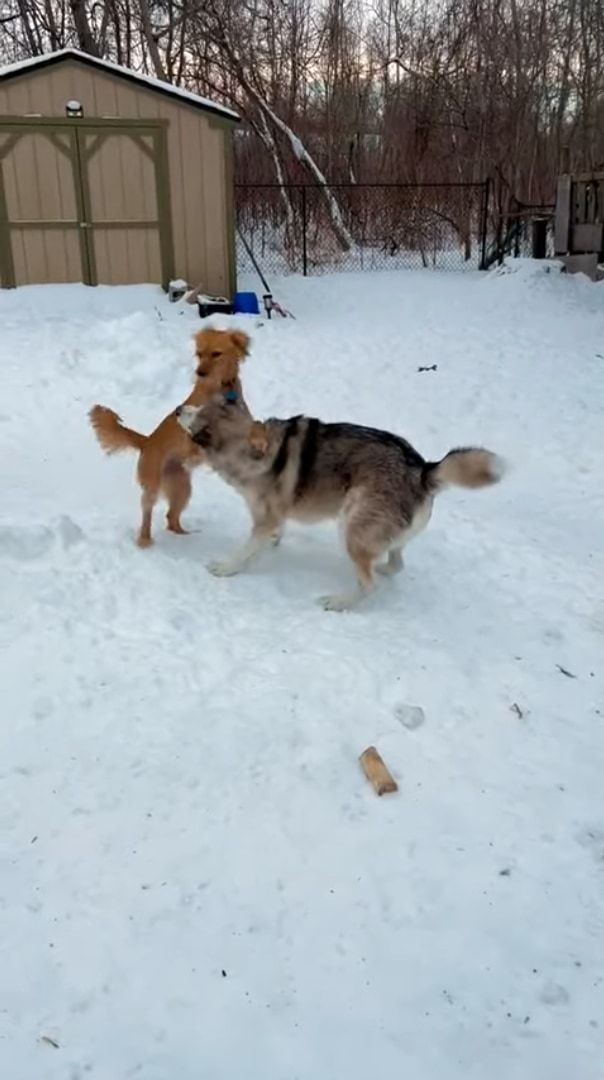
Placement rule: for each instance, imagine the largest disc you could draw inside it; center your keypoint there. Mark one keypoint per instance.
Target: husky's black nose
(178, 410)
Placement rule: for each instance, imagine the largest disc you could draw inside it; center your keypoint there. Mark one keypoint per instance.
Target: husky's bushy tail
(470, 467)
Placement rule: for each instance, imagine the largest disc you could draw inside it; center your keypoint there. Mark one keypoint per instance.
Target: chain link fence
(311, 229)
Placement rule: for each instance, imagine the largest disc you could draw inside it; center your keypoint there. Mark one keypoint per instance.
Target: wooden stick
(376, 772)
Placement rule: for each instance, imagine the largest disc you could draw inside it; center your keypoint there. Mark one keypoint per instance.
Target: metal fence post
(484, 224)
(304, 225)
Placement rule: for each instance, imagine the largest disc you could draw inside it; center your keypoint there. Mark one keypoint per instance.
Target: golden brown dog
(167, 454)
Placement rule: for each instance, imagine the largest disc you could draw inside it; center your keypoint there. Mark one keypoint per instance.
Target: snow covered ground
(196, 881)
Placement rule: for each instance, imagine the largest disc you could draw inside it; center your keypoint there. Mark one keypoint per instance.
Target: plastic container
(246, 303)
(213, 305)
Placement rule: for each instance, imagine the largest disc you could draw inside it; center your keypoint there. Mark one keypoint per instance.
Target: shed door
(121, 173)
(83, 201)
(40, 236)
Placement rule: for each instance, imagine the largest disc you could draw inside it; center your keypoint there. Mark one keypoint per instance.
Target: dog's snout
(178, 410)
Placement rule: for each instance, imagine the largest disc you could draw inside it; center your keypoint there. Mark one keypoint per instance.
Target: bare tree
(339, 91)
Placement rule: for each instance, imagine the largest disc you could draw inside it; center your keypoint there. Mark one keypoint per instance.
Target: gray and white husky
(380, 488)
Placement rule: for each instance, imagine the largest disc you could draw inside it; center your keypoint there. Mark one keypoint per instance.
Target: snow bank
(196, 879)
(527, 268)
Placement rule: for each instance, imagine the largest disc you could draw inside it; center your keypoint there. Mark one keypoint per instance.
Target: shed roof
(33, 63)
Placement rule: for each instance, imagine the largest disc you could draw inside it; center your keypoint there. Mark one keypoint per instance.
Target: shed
(579, 223)
(108, 176)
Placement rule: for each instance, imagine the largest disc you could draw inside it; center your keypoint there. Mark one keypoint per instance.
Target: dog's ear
(241, 341)
(258, 439)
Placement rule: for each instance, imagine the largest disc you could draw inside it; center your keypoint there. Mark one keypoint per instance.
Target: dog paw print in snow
(69, 531)
(410, 716)
(25, 542)
(591, 837)
(554, 994)
(70, 359)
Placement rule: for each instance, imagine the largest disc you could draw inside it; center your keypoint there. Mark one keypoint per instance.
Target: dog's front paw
(223, 569)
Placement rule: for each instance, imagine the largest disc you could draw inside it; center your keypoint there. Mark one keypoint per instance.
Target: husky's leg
(394, 564)
(266, 532)
(363, 564)
(367, 536)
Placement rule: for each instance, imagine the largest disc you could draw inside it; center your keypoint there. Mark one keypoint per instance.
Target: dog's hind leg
(363, 560)
(370, 533)
(363, 554)
(176, 486)
(393, 565)
(148, 500)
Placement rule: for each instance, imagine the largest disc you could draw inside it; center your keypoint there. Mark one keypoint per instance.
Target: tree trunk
(86, 41)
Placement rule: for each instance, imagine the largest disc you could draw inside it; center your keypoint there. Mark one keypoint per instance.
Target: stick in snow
(50, 1042)
(565, 671)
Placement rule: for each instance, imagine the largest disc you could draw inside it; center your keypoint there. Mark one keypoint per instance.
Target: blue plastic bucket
(246, 303)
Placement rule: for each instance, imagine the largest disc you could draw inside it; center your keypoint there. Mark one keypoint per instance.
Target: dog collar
(230, 396)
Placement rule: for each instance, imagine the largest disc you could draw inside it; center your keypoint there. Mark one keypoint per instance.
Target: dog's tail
(111, 433)
(469, 467)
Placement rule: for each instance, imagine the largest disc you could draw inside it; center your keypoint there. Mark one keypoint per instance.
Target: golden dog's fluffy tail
(111, 433)
(468, 467)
